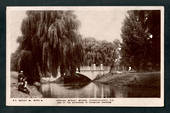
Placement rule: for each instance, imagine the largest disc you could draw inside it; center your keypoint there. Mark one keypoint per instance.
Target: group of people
(22, 83)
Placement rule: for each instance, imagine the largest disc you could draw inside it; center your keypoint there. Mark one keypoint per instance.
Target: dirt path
(34, 93)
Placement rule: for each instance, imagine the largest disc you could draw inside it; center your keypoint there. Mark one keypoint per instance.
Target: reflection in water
(92, 90)
(98, 90)
(95, 90)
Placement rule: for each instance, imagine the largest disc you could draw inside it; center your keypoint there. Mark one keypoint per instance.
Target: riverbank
(34, 93)
(147, 79)
(135, 84)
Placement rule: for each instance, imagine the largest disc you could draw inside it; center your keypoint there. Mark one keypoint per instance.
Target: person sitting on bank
(22, 83)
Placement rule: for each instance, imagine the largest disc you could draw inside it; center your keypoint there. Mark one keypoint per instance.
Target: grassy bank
(34, 93)
(137, 84)
(149, 79)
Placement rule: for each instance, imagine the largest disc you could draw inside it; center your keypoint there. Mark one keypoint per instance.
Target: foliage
(99, 52)
(52, 40)
(14, 61)
(141, 40)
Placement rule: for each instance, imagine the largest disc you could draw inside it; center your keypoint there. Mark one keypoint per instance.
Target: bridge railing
(94, 68)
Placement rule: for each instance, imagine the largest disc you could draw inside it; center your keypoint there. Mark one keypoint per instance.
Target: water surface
(95, 90)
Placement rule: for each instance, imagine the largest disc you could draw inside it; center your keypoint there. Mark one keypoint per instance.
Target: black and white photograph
(85, 56)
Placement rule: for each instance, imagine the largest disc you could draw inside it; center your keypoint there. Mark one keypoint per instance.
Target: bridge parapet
(95, 68)
(92, 72)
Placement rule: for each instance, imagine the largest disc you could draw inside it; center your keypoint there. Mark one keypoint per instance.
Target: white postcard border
(115, 102)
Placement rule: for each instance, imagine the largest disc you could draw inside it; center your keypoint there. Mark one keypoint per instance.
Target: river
(94, 90)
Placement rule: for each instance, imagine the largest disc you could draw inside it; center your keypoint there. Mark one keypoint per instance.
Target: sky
(100, 24)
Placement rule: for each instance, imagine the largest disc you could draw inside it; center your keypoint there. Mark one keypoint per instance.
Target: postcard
(85, 56)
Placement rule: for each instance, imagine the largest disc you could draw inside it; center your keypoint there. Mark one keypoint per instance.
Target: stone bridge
(92, 71)
(89, 71)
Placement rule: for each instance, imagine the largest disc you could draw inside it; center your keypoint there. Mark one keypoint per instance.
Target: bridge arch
(92, 72)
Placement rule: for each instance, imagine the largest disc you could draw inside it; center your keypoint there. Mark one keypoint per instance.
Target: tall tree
(141, 39)
(52, 40)
(99, 52)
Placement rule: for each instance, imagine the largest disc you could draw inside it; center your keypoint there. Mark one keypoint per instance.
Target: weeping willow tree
(53, 42)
